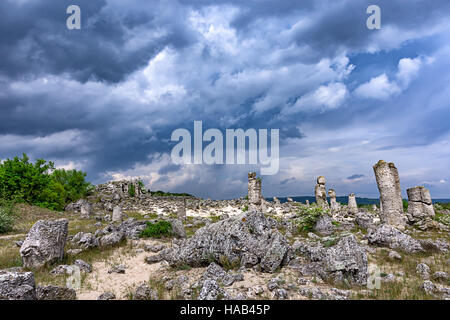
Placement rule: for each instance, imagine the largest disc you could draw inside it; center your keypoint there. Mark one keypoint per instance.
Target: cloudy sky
(105, 99)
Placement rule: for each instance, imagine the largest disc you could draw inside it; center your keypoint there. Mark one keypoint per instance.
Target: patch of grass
(7, 215)
(245, 209)
(229, 265)
(157, 230)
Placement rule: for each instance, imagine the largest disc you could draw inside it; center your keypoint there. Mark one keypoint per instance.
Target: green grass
(157, 230)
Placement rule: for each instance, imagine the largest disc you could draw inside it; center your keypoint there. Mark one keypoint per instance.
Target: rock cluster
(420, 206)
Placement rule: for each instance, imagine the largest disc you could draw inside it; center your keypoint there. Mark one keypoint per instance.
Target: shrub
(132, 190)
(405, 205)
(40, 184)
(157, 230)
(245, 209)
(7, 215)
(308, 217)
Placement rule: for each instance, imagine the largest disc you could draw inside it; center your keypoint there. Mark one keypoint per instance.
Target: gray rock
(215, 272)
(364, 220)
(107, 296)
(352, 205)
(144, 292)
(394, 255)
(112, 239)
(154, 248)
(117, 215)
(132, 228)
(441, 276)
(212, 291)
(428, 287)
(17, 286)
(83, 265)
(347, 260)
(178, 228)
(324, 225)
(280, 294)
(118, 269)
(153, 259)
(44, 243)
(85, 240)
(424, 271)
(247, 239)
(388, 236)
(55, 293)
(388, 182)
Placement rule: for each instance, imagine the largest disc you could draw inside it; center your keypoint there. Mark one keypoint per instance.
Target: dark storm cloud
(109, 96)
(35, 39)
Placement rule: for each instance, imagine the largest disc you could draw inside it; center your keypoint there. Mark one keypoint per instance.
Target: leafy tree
(40, 184)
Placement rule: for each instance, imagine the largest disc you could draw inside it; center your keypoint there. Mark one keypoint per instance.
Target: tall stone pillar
(388, 183)
(352, 205)
(254, 192)
(333, 203)
(321, 192)
(181, 210)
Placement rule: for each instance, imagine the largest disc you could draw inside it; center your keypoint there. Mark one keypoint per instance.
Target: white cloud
(378, 88)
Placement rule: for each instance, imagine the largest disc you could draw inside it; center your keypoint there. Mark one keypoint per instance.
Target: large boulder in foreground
(248, 239)
(44, 243)
(17, 286)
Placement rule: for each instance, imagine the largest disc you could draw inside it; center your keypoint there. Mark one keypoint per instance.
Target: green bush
(40, 183)
(132, 190)
(308, 217)
(157, 230)
(405, 205)
(7, 215)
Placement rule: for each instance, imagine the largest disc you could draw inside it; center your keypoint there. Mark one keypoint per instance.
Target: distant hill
(344, 200)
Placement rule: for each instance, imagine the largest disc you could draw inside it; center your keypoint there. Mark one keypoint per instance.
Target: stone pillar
(289, 200)
(321, 192)
(181, 211)
(352, 205)
(254, 192)
(276, 201)
(333, 203)
(307, 202)
(388, 183)
(420, 206)
(117, 214)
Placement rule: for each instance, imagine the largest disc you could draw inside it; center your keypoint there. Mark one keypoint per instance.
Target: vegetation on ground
(157, 230)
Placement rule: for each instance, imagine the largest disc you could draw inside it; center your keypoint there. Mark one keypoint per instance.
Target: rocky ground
(219, 250)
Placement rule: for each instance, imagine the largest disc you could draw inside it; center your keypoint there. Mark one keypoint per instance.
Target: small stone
(118, 269)
(423, 270)
(107, 296)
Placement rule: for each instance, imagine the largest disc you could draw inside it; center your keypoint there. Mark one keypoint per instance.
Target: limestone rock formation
(248, 239)
(352, 205)
(321, 192)
(420, 206)
(55, 293)
(388, 182)
(334, 205)
(117, 215)
(44, 243)
(388, 236)
(17, 286)
(254, 192)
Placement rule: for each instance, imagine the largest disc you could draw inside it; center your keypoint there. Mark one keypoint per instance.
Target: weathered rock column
(333, 203)
(388, 183)
(117, 214)
(181, 210)
(321, 192)
(254, 192)
(420, 206)
(276, 201)
(352, 205)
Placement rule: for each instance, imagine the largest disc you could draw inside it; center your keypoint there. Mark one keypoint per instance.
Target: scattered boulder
(118, 269)
(347, 260)
(178, 228)
(424, 271)
(144, 292)
(55, 293)
(388, 236)
(85, 240)
(112, 239)
(44, 243)
(17, 286)
(324, 225)
(212, 291)
(215, 272)
(107, 296)
(247, 239)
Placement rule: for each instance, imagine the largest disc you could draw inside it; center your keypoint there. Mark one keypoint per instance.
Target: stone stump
(321, 192)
